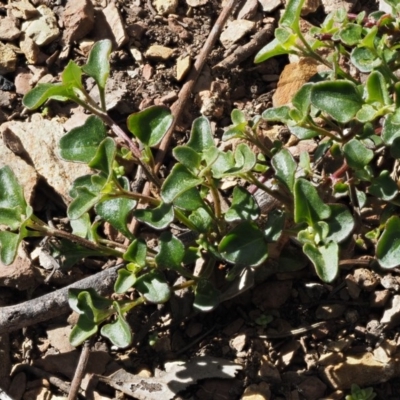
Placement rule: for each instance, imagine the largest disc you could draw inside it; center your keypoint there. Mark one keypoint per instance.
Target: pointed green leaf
(206, 296)
(272, 49)
(243, 206)
(83, 330)
(171, 252)
(11, 192)
(340, 99)
(136, 252)
(98, 66)
(302, 99)
(365, 59)
(178, 181)
(154, 287)
(308, 207)
(388, 247)
(72, 75)
(188, 157)
(325, 260)
(43, 92)
(81, 143)
(244, 245)
(376, 90)
(201, 137)
(357, 154)
(291, 16)
(150, 125)
(341, 223)
(125, 280)
(158, 218)
(118, 332)
(104, 157)
(285, 167)
(190, 200)
(384, 187)
(9, 243)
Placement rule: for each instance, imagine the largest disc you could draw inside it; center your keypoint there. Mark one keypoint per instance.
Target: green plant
(354, 121)
(360, 394)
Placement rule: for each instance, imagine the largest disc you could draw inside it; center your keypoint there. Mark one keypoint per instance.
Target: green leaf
(125, 280)
(376, 90)
(150, 125)
(81, 143)
(136, 252)
(190, 200)
(72, 75)
(201, 137)
(202, 220)
(9, 243)
(272, 49)
(308, 206)
(83, 202)
(97, 301)
(238, 117)
(206, 296)
(341, 223)
(388, 247)
(384, 187)
(278, 114)
(367, 113)
(285, 167)
(81, 226)
(11, 192)
(340, 99)
(291, 16)
(188, 157)
(286, 38)
(274, 226)
(178, 181)
(154, 287)
(325, 260)
(116, 212)
(391, 128)
(104, 157)
(365, 59)
(171, 252)
(302, 99)
(351, 34)
(95, 307)
(98, 66)
(244, 161)
(158, 218)
(45, 91)
(357, 154)
(83, 330)
(243, 206)
(118, 332)
(12, 217)
(244, 245)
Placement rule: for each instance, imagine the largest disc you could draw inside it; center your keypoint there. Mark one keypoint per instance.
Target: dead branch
(53, 304)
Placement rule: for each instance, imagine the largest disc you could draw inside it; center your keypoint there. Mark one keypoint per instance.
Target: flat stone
(292, 78)
(270, 5)
(8, 58)
(114, 20)
(235, 31)
(272, 294)
(148, 72)
(8, 30)
(268, 371)
(391, 315)
(137, 55)
(22, 9)
(165, 7)
(249, 10)
(157, 52)
(257, 392)
(78, 20)
(310, 6)
(366, 279)
(39, 139)
(43, 29)
(332, 5)
(23, 81)
(379, 298)
(182, 67)
(196, 3)
(30, 49)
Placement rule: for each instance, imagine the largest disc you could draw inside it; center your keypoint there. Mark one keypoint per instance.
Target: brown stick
(259, 40)
(178, 107)
(80, 371)
(53, 304)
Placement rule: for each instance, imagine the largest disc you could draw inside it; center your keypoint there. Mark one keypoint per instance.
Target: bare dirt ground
(291, 337)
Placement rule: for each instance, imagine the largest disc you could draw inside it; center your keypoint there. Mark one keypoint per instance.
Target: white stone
(43, 29)
(235, 30)
(165, 7)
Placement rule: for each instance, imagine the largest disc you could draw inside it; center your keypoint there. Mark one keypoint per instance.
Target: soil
(285, 332)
